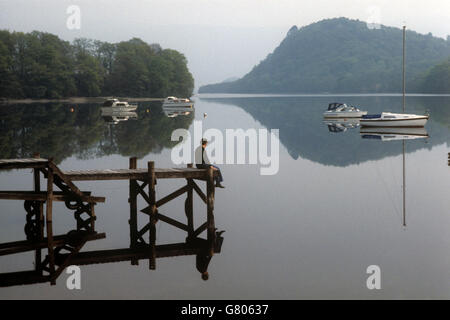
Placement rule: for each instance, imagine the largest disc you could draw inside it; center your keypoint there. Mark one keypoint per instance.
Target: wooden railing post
(210, 189)
(152, 196)
(40, 219)
(189, 205)
(48, 219)
(133, 192)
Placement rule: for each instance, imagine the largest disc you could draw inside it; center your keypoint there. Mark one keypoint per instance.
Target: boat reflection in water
(393, 133)
(174, 111)
(396, 134)
(341, 124)
(114, 116)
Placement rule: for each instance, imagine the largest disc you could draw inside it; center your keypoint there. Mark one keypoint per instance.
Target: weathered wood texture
(143, 252)
(24, 246)
(22, 163)
(211, 232)
(135, 174)
(152, 195)
(133, 193)
(42, 196)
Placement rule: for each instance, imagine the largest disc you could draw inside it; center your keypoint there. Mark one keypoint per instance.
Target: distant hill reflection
(304, 134)
(61, 131)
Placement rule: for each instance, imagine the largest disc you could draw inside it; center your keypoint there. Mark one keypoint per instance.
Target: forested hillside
(340, 56)
(436, 80)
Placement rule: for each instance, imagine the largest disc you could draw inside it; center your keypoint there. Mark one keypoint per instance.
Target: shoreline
(75, 100)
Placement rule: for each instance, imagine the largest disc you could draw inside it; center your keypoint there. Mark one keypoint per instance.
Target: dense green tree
(140, 69)
(40, 65)
(436, 80)
(88, 74)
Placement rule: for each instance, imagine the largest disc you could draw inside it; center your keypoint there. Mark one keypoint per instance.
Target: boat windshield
(371, 116)
(334, 106)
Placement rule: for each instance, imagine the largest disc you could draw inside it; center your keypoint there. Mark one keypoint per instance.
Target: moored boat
(388, 119)
(174, 102)
(117, 105)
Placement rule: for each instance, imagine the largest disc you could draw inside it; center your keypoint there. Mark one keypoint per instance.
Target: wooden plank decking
(135, 174)
(106, 174)
(22, 163)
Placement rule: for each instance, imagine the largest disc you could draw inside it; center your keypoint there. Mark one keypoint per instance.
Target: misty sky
(220, 39)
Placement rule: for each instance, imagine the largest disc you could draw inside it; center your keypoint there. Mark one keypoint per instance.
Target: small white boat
(117, 105)
(341, 110)
(388, 119)
(393, 133)
(174, 102)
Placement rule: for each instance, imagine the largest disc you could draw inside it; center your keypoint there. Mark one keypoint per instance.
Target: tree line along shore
(39, 65)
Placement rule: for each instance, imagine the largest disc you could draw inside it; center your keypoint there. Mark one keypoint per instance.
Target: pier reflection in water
(73, 243)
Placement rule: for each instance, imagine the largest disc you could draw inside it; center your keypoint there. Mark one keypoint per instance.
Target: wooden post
(40, 219)
(133, 210)
(210, 189)
(49, 226)
(152, 196)
(189, 205)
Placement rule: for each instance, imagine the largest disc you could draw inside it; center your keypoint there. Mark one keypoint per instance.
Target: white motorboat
(174, 102)
(341, 110)
(388, 119)
(393, 133)
(117, 105)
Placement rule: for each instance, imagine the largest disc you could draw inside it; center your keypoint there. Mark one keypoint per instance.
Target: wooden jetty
(64, 250)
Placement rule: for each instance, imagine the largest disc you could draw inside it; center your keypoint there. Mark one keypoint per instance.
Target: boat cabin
(335, 105)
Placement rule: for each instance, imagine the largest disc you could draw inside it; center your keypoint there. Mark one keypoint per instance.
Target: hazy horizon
(220, 39)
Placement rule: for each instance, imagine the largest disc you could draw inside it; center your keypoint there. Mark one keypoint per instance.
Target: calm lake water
(310, 231)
